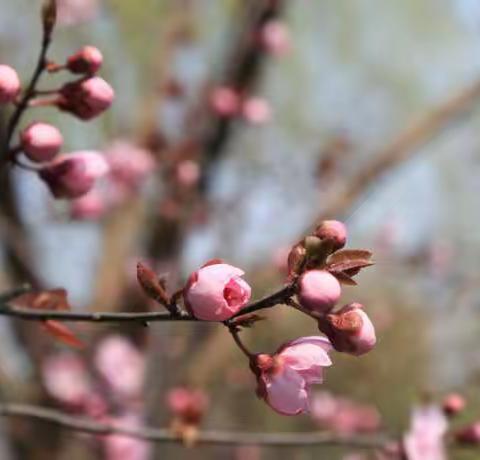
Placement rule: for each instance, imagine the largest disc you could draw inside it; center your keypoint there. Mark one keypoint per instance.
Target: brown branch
(31, 314)
(159, 435)
(402, 148)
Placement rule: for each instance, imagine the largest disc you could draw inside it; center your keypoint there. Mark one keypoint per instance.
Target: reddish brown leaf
(351, 265)
(54, 299)
(350, 254)
(63, 334)
(344, 279)
(151, 285)
(349, 261)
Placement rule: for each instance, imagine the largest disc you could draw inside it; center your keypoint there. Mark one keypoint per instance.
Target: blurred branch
(402, 148)
(159, 435)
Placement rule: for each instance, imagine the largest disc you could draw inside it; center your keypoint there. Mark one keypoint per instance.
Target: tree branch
(31, 314)
(159, 435)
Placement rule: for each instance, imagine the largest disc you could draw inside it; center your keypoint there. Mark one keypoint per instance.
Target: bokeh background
(357, 75)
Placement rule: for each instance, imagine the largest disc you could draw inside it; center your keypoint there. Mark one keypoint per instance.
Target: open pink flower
(425, 439)
(72, 175)
(216, 292)
(284, 379)
(121, 365)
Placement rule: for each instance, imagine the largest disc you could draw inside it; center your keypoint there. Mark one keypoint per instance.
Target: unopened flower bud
(333, 231)
(41, 141)
(469, 435)
(296, 258)
(216, 292)
(256, 111)
(188, 405)
(350, 330)
(224, 101)
(453, 403)
(73, 175)
(87, 60)
(9, 84)
(86, 99)
(275, 37)
(318, 291)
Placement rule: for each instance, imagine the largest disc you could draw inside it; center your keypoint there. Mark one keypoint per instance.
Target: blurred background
(250, 121)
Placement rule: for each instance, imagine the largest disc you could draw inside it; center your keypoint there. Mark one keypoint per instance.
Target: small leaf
(151, 285)
(63, 334)
(344, 279)
(49, 16)
(350, 265)
(53, 299)
(350, 254)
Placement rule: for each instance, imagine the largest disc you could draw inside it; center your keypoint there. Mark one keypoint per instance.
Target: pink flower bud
(188, 405)
(284, 379)
(275, 38)
(216, 292)
(318, 291)
(188, 173)
(333, 231)
(469, 434)
(41, 141)
(224, 101)
(72, 175)
(121, 365)
(453, 404)
(350, 330)
(9, 84)
(88, 60)
(66, 379)
(256, 111)
(90, 206)
(86, 99)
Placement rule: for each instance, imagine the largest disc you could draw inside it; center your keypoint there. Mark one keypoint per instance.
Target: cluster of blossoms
(128, 167)
(317, 266)
(112, 393)
(66, 175)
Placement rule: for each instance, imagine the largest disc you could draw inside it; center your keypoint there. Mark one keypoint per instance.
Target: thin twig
(31, 314)
(84, 425)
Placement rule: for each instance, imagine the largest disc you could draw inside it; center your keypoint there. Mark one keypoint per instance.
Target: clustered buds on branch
(317, 267)
(66, 175)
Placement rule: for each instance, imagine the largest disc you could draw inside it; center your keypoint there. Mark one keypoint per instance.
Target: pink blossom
(188, 173)
(129, 164)
(342, 415)
(284, 379)
(66, 379)
(350, 330)
(318, 291)
(224, 101)
(70, 12)
(256, 111)
(87, 60)
(333, 231)
(9, 84)
(275, 37)
(74, 174)
(425, 438)
(41, 141)
(121, 365)
(216, 292)
(189, 405)
(121, 447)
(90, 206)
(86, 98)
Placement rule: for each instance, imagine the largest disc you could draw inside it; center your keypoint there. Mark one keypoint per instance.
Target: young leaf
(63, 334)
(150, 284)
